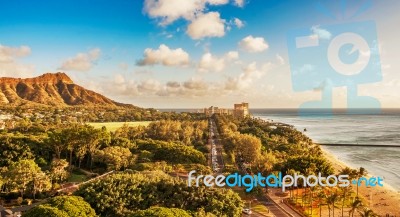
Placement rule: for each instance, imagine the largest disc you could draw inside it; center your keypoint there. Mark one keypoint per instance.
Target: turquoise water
(376, 129)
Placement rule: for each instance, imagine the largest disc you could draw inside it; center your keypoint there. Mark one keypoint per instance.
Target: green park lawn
(77, 176)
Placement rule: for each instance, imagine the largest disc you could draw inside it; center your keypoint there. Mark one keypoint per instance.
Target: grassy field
(112, 126)
(77, 176)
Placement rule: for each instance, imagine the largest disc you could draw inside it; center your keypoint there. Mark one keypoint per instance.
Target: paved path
(71, 188)
(76, 186)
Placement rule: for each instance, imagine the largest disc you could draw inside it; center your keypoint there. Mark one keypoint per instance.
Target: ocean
(356, 128)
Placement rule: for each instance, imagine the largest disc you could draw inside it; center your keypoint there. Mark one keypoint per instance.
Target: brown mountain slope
(49, 89)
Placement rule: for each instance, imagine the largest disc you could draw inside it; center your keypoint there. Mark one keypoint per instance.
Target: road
(270, 202)
(273, 207)
(254, 214)
(217, 162)
(273, 197)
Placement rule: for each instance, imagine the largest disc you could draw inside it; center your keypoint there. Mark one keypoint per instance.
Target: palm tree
(320, 196)
(297, 187)
(354, 206)
(311, 199)
(332, 199)
(291, 172)
(346, 189)
(367, 213)
(360, 173)
(311, 171)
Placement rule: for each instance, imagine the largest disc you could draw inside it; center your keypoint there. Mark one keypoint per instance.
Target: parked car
(247, 211)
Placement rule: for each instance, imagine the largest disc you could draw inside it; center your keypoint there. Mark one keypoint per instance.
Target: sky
(198, 53)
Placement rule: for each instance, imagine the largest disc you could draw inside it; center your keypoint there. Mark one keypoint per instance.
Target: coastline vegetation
(255, 145)
(43, 155)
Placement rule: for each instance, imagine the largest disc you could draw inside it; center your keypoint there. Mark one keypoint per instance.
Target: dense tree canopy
(121, 193)
(24, 172)
(114, 157)
(62, 206)
(161, 212)
(74, 206)
(13, 149)
(249, 147)
(279, 146)
(45, 210)
(303, 164)
(171, 152)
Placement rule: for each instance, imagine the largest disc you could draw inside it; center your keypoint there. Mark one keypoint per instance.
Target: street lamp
(250, 208)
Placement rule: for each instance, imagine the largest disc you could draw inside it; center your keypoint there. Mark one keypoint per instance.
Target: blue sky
(184, 53)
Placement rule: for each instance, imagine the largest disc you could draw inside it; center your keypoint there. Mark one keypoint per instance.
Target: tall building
(241, 110)
(215, 110)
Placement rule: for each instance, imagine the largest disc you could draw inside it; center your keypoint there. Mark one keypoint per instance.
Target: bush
(20, 200)
(56, 186)
(10, 196)
(41, 162)
(26, 202)
(45, 210)
(62, 206)
(200, 169)
(143, 167)
(161, 212)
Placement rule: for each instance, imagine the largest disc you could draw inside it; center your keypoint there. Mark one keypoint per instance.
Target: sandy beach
(382, 200)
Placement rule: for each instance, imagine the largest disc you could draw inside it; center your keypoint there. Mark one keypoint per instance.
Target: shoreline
(341, 164)
(382, 200)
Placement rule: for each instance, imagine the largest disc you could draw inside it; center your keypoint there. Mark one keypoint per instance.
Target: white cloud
(253, 44)
(124, 66)
(165, 56)
(280, 59)
(149, 86)
(8, 62)
(173, 84)
(170, 10)
(195, 84)
(232, 55)
(8, 54)
(251, 71)
(320, 33)
(212, 63)
(193, 87)
(218, 2)
(82, 61)
(245, 79)
(119, 79)
(238, 23)
(206, 25)
(203, 21)
(118, 85)
(94, 53)
(171, 88)
(239, 3)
